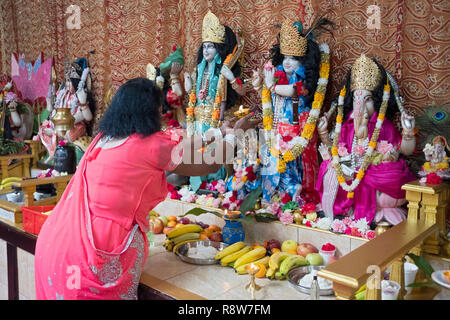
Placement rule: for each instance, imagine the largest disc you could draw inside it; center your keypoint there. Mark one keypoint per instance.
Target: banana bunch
(280, 263)
(250, 257)
(181, 235)
(243, 268)
(229, 250)
(6, 183)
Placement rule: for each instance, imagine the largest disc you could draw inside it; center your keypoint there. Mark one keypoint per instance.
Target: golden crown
(292, 43)
(365, 74)
(212, 30)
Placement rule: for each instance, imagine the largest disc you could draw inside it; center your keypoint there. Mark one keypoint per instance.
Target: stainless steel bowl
(182, 251)
(295, 275)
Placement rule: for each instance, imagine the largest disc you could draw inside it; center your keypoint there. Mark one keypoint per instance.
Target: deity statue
(72, 94)
(363, 175)
(218, 43)
(436, 157)
(173, 117)
(214, 86)
(18, 123)
(293, 86)
(167, 77)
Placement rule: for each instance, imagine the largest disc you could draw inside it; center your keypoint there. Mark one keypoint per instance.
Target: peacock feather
(435, 121)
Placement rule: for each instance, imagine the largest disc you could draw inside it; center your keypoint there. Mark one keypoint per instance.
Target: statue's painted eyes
(439, 115)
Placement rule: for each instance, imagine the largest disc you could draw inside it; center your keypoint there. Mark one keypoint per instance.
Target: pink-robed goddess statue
(363, 175)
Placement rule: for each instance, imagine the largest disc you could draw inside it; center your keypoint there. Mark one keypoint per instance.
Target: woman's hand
(227, 73)
(245, 123)
(187, 82)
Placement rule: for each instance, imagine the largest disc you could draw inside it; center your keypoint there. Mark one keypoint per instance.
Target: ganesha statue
(436, 159)
(364, 174)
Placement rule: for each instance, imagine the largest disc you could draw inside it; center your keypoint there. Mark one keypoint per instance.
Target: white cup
(326, 255)
(389, 290)
(410, 270)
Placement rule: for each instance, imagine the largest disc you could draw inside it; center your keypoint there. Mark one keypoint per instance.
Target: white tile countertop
(213, 282)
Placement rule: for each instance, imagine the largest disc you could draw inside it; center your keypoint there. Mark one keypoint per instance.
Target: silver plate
(183, 250)
(295, 275)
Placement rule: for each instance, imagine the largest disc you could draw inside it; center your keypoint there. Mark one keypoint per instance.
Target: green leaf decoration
(247, 218)
(265, 217)
(199, 211)
(429, 283)
(249, 202)
(422, 264)
(291, 205)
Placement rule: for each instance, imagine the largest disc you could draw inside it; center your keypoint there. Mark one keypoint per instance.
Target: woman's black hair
(377, 96)
(311, 62)
(224, 49)
(134, 109)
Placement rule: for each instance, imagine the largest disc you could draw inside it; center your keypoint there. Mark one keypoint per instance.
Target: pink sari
(93, 245)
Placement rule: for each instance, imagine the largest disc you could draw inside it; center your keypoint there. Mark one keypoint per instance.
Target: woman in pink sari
(93, 245)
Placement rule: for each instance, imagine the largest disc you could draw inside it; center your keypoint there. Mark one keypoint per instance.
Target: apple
(289, 245)
(304, 249)
(314, 259)
(273, 243)
(216, 236)
(158, 225)
(164, 220)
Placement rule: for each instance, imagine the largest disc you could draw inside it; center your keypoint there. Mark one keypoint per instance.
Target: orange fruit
(275, 250)
(172, 218)
(171, 224)
(262, 270)
(166, 230)
(178, 225)
(208, 232)
(292, 251)
(256, 245)
(203, 236)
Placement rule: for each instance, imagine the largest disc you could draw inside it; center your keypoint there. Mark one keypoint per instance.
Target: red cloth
(93, 244)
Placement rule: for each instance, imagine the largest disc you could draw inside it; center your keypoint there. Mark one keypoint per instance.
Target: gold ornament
(365, 74)
(212, 30)
(292, 43)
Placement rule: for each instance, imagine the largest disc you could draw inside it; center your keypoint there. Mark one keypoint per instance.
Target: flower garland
(297, 145)
(372, 144)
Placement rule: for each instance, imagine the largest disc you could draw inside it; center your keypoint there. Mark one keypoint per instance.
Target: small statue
(19, 116)
(364, 174)
(437, 160)
(72, 94)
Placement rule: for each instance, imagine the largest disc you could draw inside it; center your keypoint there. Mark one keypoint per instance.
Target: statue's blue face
(290, 64)
(209, 51)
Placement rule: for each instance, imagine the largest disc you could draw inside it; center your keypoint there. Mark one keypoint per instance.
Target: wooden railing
(421, 232)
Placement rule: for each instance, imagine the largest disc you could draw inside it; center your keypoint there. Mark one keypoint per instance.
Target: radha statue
(292, 95)
(363, 175)
(214, 86)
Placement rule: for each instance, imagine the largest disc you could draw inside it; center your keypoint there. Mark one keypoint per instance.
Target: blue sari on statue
(290, 180)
